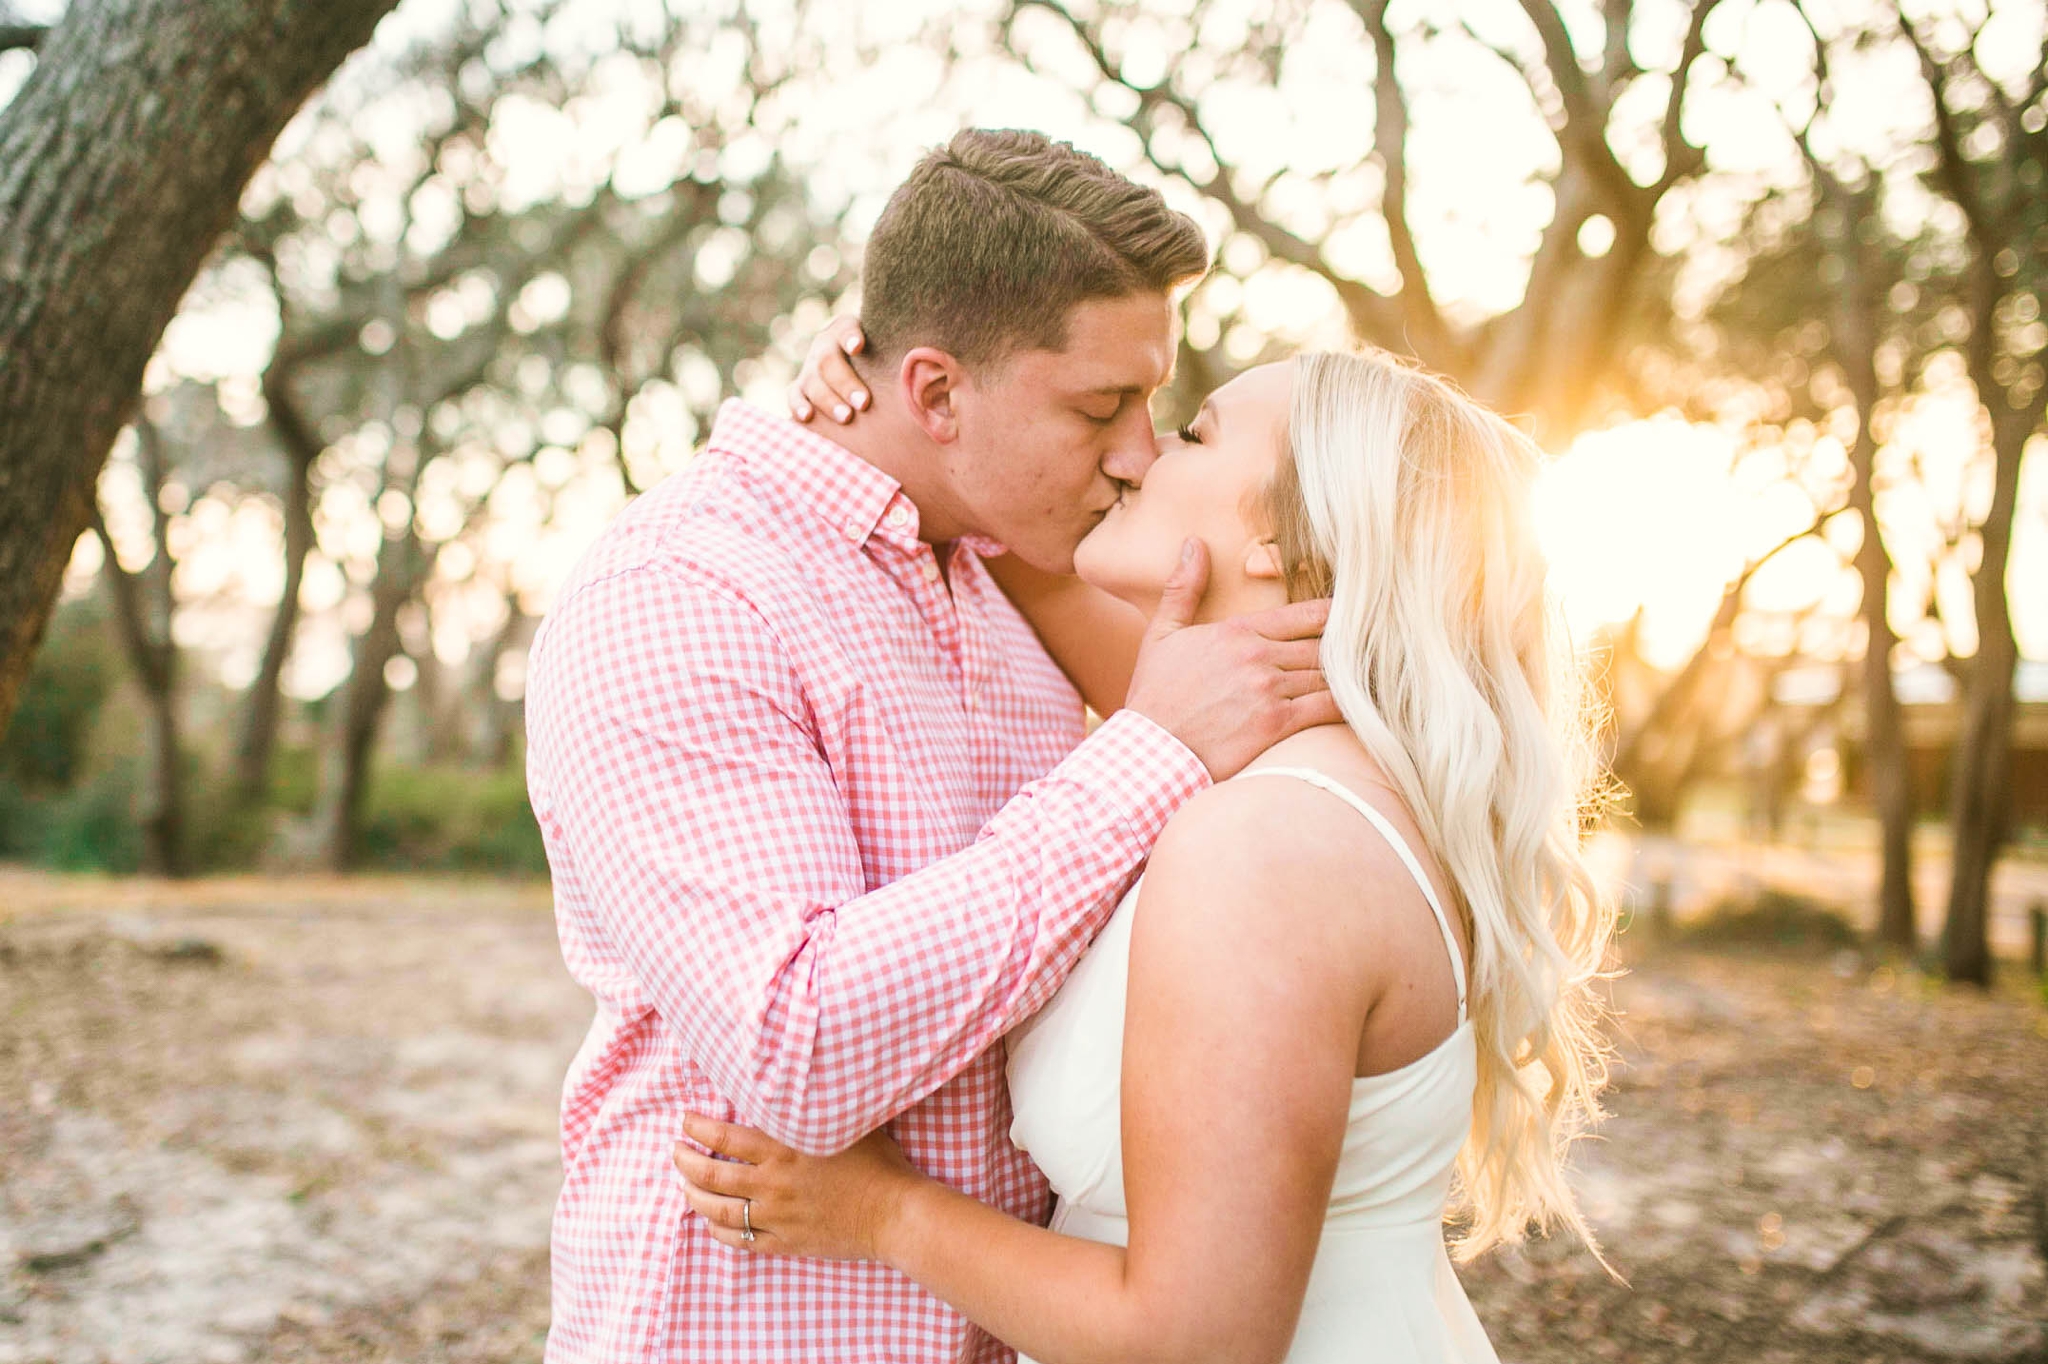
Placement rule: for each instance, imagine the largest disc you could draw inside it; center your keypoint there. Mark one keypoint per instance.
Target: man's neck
(886, 438)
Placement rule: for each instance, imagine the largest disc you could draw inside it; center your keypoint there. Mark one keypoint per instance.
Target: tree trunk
(122, 160)
(1977, 810)
(1884, 733)
(258, 737)
(438, 697)
(364, 699)
(1980, 787)
(163, 819)
(144, 606)
(501, 717)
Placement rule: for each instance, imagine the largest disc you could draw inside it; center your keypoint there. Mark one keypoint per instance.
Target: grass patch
(1775, 919)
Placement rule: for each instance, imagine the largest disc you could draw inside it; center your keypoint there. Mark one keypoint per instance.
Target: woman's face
(1204, 484)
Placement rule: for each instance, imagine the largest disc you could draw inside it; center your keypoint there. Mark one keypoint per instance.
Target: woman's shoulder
(1267, 820)
(1272, 849)
(1269, 844)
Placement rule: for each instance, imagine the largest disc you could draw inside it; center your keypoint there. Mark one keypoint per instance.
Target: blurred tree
(1897, 260)
(44, 752)
(459, 352)
(1820, 314)
(121, 160)
(1670, 730)
(1608, 84)
(144, 608)
(1990, 142)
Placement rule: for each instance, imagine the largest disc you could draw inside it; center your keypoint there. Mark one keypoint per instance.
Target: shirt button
(852, 530)
(931, 570)
(897, 518)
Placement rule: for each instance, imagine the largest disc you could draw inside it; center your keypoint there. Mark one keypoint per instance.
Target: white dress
(1382, 1290)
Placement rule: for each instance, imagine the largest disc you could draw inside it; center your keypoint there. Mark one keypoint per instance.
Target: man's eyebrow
(1114, 390)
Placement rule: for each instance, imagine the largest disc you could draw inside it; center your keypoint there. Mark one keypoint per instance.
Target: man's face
(1047, 438)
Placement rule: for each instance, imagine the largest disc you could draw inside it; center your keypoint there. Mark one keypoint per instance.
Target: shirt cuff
(1145, 772)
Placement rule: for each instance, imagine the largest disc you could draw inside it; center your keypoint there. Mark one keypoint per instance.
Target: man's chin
(1054, 559)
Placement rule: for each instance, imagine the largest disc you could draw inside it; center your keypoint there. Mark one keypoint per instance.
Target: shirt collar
(855, 498)
(814, 473)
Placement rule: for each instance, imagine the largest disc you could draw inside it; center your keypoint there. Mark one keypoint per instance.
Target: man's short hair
(997, 236)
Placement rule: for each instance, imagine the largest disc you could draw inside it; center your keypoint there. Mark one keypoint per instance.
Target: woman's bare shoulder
(1278, 832)
(1272, 853)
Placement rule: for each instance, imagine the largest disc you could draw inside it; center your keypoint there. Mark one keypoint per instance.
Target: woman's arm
(1091, 635)
(1240, 1042)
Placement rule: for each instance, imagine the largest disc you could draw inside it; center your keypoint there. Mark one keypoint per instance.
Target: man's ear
(1262, 560)
(931, 381)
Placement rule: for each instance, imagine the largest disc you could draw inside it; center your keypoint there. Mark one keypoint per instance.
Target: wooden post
(2037, 944)
(1662, 928)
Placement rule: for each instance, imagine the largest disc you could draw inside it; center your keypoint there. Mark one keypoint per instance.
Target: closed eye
(1187, 433)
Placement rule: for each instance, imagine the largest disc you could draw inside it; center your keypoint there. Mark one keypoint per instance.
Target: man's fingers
(1182, 595)
(1296, 620)
(1299, 682)
(1316, 708)
(1295, 655)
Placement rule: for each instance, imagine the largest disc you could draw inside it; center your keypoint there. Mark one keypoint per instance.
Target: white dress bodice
(1382, 1290)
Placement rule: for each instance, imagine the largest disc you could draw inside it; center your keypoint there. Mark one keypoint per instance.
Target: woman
(1262, 1086)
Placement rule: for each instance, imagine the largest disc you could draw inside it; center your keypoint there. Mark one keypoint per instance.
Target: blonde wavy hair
(1408, 504)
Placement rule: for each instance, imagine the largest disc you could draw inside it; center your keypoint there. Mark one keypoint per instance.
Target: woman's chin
(1142, 596)
(1098, 564)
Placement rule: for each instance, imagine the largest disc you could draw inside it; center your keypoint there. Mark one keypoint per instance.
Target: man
(822, 822)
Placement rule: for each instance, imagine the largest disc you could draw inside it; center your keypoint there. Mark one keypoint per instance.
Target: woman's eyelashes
(1187, 433)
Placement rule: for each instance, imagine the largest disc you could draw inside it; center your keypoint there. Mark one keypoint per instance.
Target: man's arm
(677, 760)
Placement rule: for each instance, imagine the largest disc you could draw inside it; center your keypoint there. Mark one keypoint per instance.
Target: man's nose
(1132, 453)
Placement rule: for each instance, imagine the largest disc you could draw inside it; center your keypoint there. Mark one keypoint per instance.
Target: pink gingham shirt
(823, 827)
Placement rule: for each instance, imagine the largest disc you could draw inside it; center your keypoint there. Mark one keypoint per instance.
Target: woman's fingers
(731, 1139)
(728, 1219)
(838, 373)
(728, 1177)
(827, 382)
(720, 1211)
(799, 406)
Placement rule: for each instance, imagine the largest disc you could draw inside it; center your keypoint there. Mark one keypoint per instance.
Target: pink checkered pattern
(823, 827)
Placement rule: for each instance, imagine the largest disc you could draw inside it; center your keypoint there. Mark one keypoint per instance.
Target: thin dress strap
(1399, 844)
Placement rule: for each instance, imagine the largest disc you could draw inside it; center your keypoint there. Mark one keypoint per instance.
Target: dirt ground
(306, 1120)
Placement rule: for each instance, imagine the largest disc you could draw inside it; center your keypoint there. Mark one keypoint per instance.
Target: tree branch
(1616, 66)
(1953, 169)
(1372, 314)
(1585, 123)
(1424, 322)
(148, 652)
(1680, 691)
(1531, 73)
(1681, 158)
